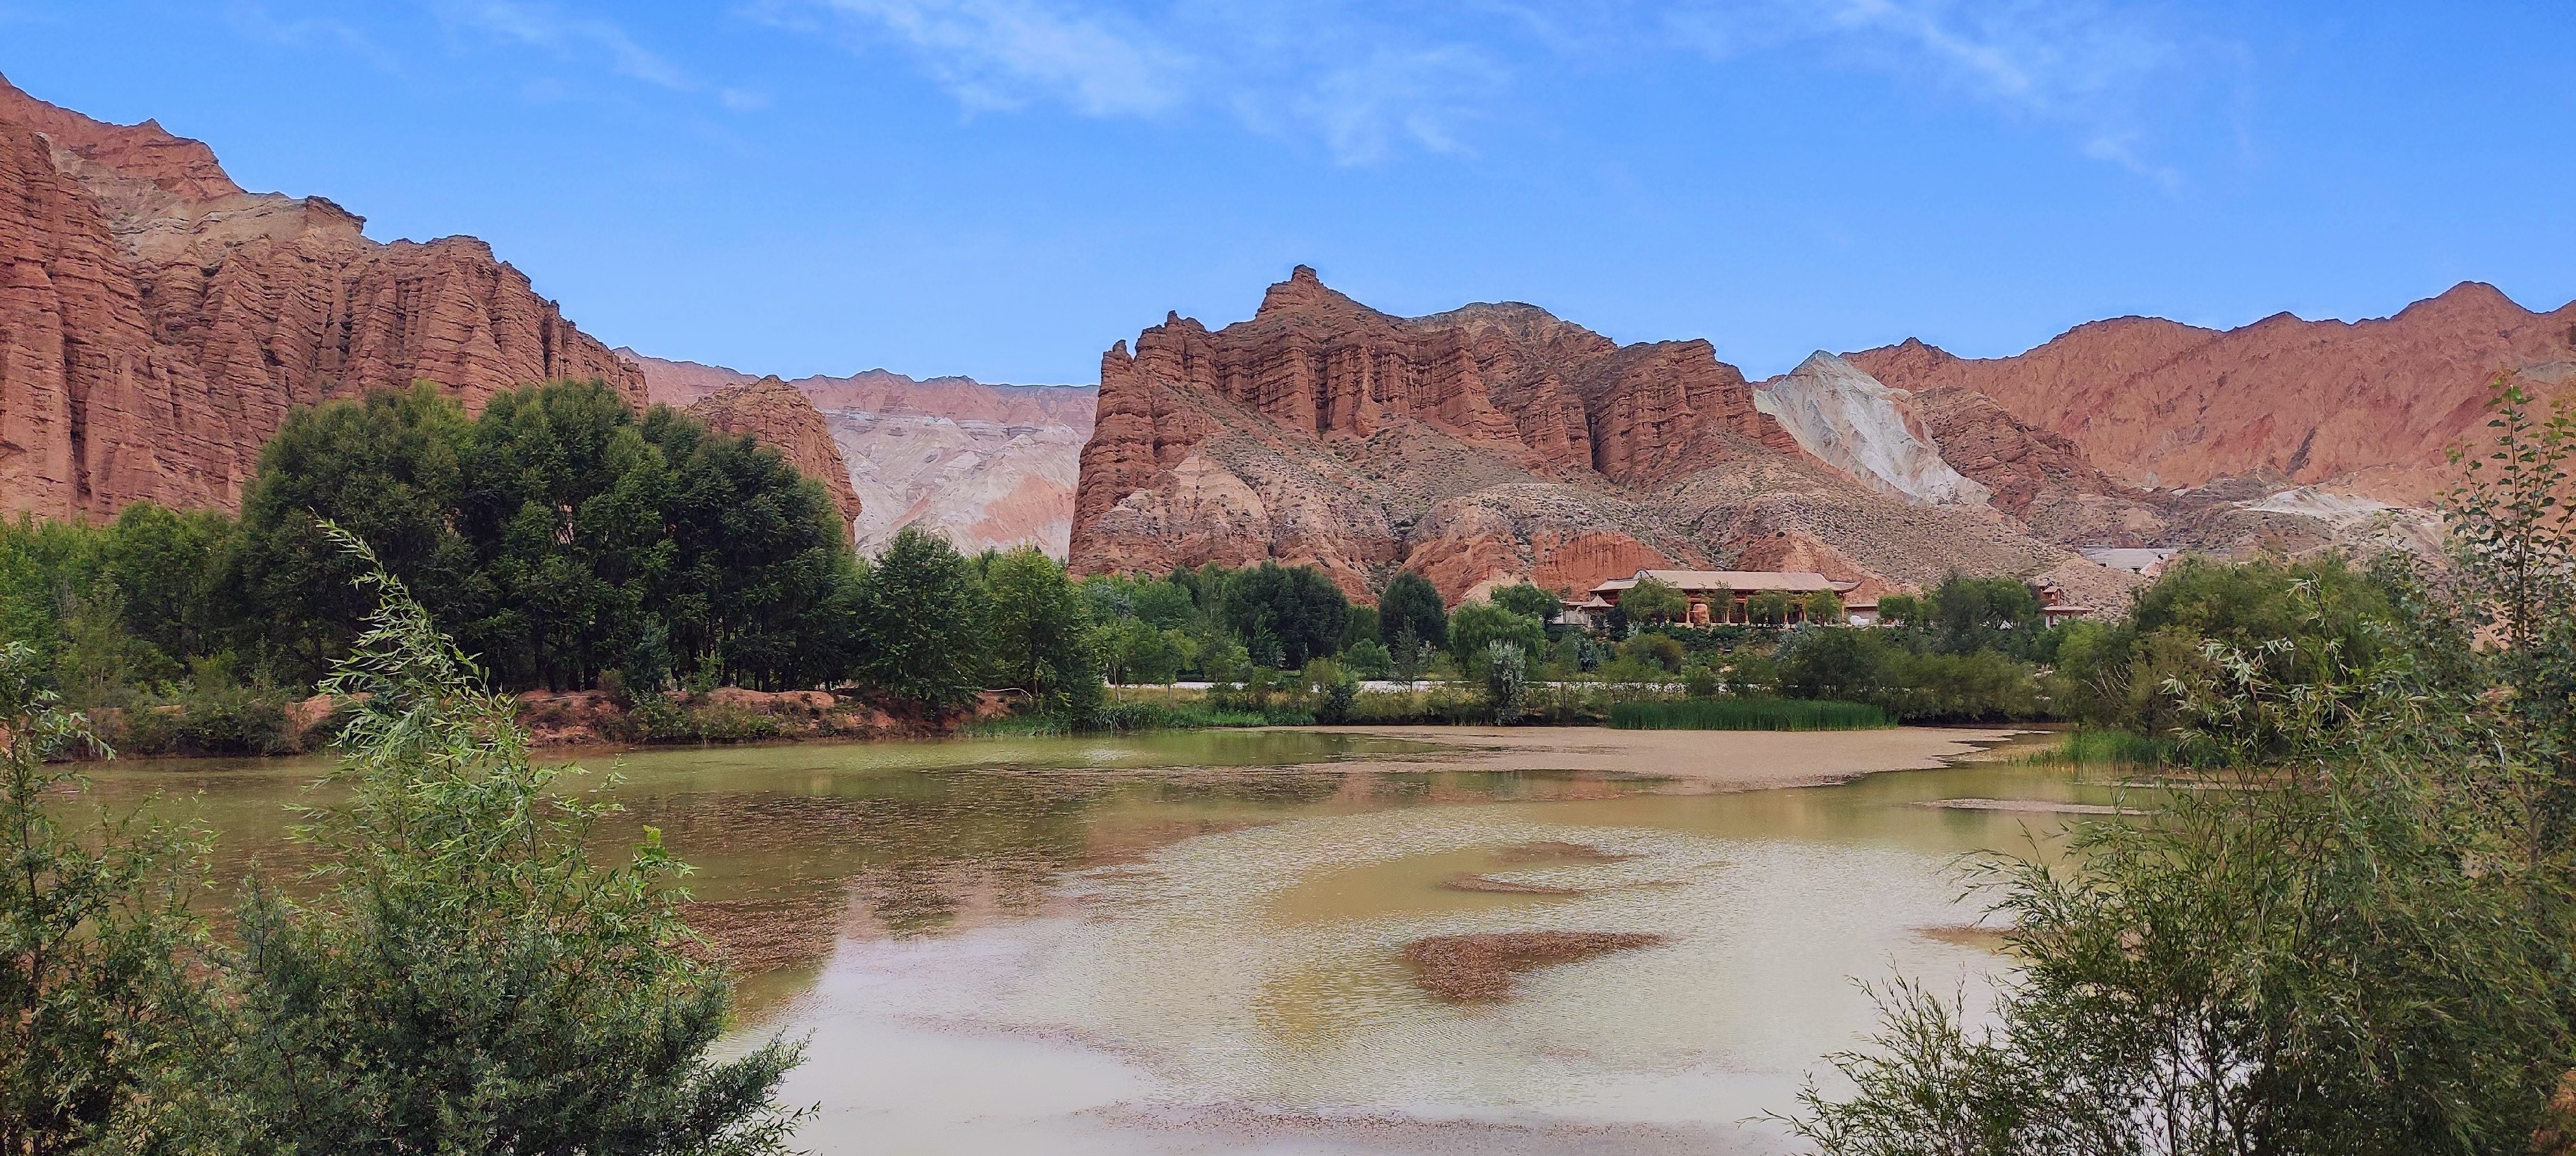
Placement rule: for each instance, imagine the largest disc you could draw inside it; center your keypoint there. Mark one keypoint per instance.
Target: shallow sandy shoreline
(1705, 760)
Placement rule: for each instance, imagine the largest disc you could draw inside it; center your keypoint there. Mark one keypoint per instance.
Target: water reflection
(1166, 941)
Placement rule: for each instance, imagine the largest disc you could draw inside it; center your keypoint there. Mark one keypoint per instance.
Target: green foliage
(1506, 680)
(1900, 610)
(1410, 615)
(1965, 615)
(1369, 659)
(93, 930)
(1825, 606)
(469, 979)
(1864, 664)
(1297, 606)
(1654, 600)
(1768, 608)
(1478, 625)
(1332, 689)
(558, 535)
(1653, 652)
(2113, 748)
(921, 616)
(1041, 632)
(2119, 675)
(1748, 714)
(2365, 947)
(1702, 681)
(1524, 598)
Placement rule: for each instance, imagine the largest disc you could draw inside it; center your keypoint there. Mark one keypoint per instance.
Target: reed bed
(1749, 714)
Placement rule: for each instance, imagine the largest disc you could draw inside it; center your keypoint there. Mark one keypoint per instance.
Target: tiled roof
(1793, 581)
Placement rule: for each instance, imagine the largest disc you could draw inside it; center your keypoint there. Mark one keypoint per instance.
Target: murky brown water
(1192, 942)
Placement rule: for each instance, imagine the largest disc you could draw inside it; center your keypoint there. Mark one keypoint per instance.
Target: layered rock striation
(157, 322)
(775, 414)
(2367, 408)
(989, 466)
(1852, 422)
(1482, 444)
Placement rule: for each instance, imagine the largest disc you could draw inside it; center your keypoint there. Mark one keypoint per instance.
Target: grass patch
(1121, 717)
(1749, 714)
(2092, 748)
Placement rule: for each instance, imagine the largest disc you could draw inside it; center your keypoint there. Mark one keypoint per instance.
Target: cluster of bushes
(467, 973)
(2366, 944)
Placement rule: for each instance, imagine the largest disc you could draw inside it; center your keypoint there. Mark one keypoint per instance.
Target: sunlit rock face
(990, 466)
(157, 322)
(1853, 423)
(2367, 407)
(1495, 442)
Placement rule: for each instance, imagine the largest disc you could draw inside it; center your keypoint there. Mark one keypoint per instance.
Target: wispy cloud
(542, 26)
(1322, 68)
(1003, 54)
(2087, 65)
(1365, 79)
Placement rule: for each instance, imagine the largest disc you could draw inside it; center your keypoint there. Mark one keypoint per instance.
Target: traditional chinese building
(1723, 596)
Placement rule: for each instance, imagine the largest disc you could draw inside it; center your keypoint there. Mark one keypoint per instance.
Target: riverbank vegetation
(1749, 714)
(639, 579)
(2364, 948)
(468, 974)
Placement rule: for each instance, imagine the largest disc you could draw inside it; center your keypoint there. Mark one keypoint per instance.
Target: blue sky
(1003, 187)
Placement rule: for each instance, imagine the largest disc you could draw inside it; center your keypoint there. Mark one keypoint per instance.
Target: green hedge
(1749, 714)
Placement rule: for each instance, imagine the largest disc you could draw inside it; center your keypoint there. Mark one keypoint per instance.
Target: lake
(1194, 941)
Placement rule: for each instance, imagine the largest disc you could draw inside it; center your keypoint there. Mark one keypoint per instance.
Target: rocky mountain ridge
(1484, 444)
(157, 321)
(2367, 408)
(987, 465)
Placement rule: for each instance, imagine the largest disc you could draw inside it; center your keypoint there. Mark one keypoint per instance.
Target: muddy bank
(1480, 968)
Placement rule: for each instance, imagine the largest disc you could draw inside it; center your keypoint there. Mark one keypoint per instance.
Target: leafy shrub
(1749, 714)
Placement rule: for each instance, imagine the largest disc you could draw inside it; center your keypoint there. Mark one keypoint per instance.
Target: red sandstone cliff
(1487, 442)
(156, 322)
(775, 414)
(2367, 406)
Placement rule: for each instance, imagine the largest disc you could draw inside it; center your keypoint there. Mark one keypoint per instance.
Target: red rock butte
(157, 322)
(1483, 444)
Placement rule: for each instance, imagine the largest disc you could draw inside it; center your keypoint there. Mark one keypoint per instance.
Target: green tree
(561, 500)
(922, 623)
(1825, 606)
(1653, 650)
(1369, 659)
(1410, 615)
(1900, 609)
(1842, 663)
(1506, 671)
(1042, 635)
(1297, 605)
(389, 468)
(1767, 608)
(92, 930)
(163, 565)
(1654, 600)
(1478, 625)
(762, 582)
(1526, 599)
(1966, 615)
(470, 979)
